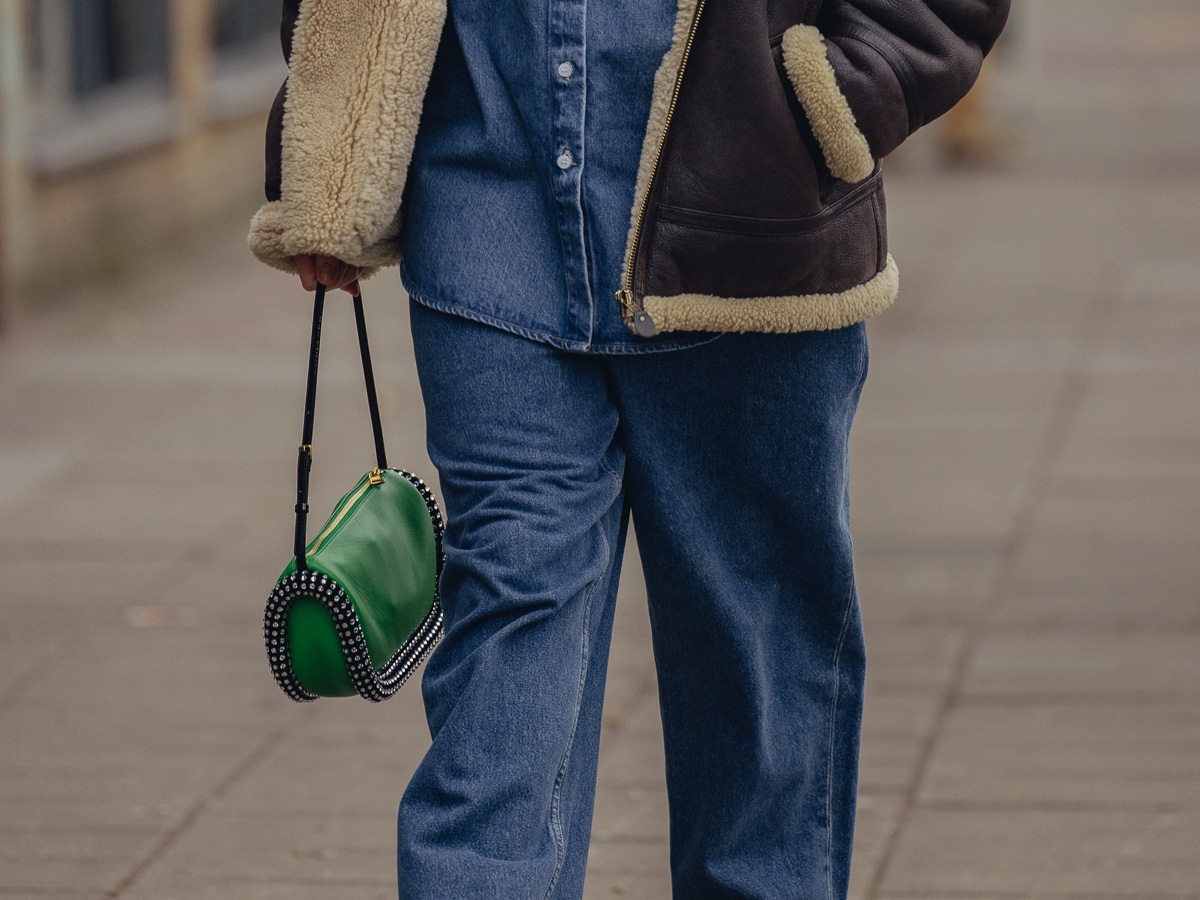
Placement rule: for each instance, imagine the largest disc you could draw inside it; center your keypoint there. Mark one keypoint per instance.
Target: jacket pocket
(843, 144)
(696, 252)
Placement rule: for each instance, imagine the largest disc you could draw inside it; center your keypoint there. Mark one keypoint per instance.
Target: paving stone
(1145, 396)
(1138, 582)
(895, 728)
(632, 760)
(983, 850)
(909, 497)
(628, 868)
(65, 589)
(100, 844)
(187, 513)
(911, 659)
(910, 585)
(630, 812)
(352, 846)
(22, 653)
(37, 877)
(1081, 665)
(215, 594)
(929, 395)
(310, 776)
(26, 470)
(1099, 756)
(874, 821)
(1159, 284)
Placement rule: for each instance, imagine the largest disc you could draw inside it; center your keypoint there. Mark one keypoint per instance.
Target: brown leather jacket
(759, 201)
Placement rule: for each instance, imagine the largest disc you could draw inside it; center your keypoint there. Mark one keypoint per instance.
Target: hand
(329, 271)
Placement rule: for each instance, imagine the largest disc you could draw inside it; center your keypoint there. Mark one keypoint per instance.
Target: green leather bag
(357, 610)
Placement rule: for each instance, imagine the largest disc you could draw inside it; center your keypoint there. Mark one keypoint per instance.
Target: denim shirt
(518, 199)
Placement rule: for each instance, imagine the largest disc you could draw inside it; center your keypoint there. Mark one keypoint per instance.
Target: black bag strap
(304, 462)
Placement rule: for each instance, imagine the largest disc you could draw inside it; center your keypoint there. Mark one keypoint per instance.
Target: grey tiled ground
(1026, 504)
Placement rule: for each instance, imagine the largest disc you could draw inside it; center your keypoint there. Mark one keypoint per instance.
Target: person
(640, 240)
(970, 134)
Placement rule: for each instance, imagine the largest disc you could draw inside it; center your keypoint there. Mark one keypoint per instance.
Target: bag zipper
(632, 311)
(371, 479)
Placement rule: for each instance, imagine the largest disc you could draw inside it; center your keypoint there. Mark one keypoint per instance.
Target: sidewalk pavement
(1026, 507)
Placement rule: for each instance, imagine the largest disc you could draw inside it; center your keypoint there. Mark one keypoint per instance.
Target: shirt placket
(566, 69)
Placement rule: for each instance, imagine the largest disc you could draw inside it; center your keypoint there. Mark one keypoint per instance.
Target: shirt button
(564, 161)
(565, 69)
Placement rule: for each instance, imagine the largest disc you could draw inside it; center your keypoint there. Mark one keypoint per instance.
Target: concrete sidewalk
(1026, 507)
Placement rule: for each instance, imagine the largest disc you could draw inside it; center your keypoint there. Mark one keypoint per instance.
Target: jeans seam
(863, 355)
(616, 476)
(837, 681)
(556, 828)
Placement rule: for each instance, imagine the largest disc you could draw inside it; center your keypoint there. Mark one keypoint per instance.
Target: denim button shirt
(517, 205)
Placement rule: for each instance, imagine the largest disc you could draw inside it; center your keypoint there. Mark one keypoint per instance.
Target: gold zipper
(374, 477)
(630, 308)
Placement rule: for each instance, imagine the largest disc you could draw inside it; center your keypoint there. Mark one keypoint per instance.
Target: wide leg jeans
(732, 459)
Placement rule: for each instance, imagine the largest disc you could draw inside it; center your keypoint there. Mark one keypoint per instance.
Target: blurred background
(125, 123)
(1026, 486)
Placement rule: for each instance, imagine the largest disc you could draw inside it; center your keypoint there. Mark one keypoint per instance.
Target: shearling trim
(660, 105)
(266, 238)
(266, 241)
(845, 148)
(805, 312)
(357, 79)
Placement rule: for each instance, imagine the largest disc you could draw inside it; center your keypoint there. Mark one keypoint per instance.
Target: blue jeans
(732, 458)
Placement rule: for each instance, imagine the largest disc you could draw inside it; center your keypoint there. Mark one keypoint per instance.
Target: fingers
(335, 274)
(306, 268)
(329, 271)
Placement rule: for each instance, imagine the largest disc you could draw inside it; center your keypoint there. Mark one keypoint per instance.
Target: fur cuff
(806, 312)
(266, 241)
(266, 238)
(357, 78)
(845, 148)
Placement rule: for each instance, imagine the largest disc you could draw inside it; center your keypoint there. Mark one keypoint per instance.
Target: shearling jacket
(758, 203)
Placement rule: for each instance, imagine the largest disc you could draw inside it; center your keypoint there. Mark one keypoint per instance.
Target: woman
(640, 239)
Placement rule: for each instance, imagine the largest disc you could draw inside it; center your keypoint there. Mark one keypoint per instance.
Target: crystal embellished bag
(357, 609)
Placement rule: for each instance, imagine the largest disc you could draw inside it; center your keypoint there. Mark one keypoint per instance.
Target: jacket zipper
(632, 310)
(374, 477)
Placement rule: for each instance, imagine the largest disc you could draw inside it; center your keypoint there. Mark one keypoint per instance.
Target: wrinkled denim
(731, 458)
(494, 229)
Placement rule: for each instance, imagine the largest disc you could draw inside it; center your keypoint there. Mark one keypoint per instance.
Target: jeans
(732, 459)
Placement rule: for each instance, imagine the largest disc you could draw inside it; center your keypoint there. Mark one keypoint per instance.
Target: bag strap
(304, 462)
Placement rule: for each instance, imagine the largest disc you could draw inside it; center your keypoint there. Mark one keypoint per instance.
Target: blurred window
(246, 25)
(248, 64)
(100, 73)
(117, 41)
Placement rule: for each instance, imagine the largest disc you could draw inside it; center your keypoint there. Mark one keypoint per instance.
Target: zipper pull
(633, 314)
(375, 476)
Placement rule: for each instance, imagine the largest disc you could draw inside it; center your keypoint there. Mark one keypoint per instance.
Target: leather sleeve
(871, 72)
(902, 64)
(287, 26)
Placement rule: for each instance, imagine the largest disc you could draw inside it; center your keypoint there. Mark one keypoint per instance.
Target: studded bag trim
(371, 684)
